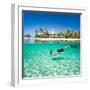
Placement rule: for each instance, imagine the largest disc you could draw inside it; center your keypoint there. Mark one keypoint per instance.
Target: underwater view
(38, 62)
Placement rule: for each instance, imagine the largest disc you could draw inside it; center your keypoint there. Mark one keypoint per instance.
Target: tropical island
(51, 26)
(44, 34)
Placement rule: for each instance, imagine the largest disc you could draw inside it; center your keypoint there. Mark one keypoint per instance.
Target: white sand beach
(53, 39)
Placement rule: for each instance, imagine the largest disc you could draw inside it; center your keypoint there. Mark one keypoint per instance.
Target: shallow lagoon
(39, 63)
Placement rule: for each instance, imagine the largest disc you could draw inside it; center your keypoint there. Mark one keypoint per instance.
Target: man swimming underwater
(61, 50)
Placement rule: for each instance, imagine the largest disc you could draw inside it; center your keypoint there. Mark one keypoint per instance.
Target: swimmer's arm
(66, 47)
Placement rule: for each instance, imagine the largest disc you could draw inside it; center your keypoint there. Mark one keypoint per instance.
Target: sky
(54, 22)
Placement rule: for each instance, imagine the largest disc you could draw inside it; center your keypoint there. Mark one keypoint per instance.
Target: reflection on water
(29, 41)
(43, 41)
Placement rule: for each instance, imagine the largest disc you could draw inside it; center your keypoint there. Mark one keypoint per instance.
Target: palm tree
(46, 33)
(61, 35)
(36, 33)
(65, 32)
(41, 32)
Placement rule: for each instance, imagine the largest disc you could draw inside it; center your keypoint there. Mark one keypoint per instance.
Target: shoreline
(53, 39)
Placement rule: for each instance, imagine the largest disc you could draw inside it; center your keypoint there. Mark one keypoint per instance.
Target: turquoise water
(39, 63)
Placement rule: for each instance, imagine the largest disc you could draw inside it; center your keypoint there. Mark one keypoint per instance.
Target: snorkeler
(61, 50)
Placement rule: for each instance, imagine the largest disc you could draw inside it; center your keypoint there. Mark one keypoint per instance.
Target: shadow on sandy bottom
(60, 58)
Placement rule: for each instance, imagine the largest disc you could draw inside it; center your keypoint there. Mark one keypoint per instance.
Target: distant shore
(53, 39)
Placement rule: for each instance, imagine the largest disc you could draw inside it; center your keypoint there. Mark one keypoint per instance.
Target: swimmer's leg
(74, 46)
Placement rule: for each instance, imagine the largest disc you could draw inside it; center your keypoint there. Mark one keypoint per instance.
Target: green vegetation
(44, 33)
(27, 35)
